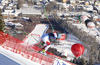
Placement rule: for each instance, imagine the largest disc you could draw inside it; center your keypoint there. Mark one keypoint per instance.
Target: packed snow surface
(15, 59)
(64, 47)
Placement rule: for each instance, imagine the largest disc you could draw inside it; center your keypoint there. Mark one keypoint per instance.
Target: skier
(47, 39)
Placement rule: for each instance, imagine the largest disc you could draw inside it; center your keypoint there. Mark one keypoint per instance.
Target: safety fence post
(32, 56)
(15, 50)
(40, 57)
(25, 51)
(35, 57)
(19, 50)
(44, 59)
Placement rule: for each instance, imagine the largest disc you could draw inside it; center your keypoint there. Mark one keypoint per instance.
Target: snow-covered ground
(93, 31)
(34, 36)
(64, 47)
(13, 58)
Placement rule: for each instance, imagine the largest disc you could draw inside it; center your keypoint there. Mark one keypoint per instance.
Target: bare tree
(20, 3)
(2, 24)
(51, 6)
(30, 2)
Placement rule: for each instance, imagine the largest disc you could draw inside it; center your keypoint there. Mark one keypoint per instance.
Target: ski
(30, 50)
(40, 52)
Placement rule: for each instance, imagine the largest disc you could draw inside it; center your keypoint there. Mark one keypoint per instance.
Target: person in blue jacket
(47, 39)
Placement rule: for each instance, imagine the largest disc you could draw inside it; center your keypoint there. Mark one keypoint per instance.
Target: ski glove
(48, 43)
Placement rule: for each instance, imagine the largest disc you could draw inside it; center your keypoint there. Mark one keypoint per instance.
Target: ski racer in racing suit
(47, 38)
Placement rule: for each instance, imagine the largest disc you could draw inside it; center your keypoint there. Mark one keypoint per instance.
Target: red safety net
(3, 37)
(10, 43)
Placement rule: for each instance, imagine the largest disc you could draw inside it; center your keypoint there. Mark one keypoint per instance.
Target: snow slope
(65, 46)
(40, 29)
(13, 58)
(34, 36)
(93, 32)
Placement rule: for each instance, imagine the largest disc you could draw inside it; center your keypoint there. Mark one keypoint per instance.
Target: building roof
(29, 11)
(11, 12)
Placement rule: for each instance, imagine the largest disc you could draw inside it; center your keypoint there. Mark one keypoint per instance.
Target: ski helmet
(55, 34)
